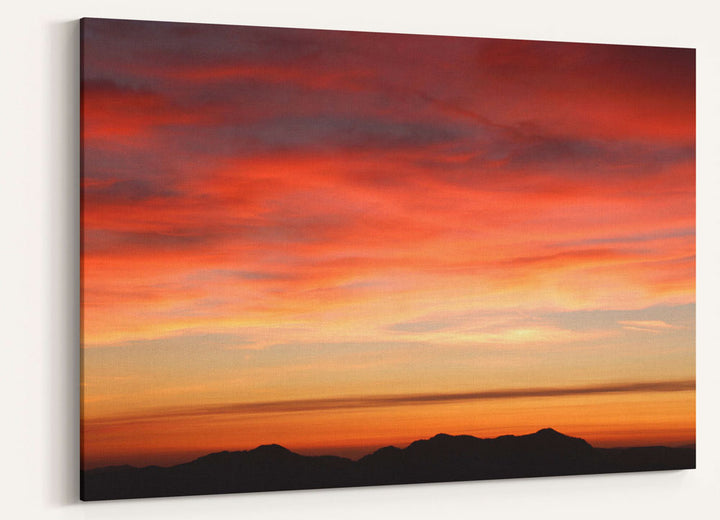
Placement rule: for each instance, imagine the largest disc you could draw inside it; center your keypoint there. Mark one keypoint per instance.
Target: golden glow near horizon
(347, 221)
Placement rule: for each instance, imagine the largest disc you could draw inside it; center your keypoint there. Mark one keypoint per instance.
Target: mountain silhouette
(442, 458)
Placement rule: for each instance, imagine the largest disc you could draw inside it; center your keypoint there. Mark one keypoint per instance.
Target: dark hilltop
(443, 458)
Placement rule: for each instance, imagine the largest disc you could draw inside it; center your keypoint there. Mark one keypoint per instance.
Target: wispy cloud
(653, 326)
(266, 209)
(343, 403)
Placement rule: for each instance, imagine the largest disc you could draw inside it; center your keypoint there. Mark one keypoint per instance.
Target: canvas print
(319, 259)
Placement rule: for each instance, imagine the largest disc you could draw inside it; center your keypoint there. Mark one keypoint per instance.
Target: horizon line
(689, 445)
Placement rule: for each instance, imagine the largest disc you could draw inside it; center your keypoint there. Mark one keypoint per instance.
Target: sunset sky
(336, 241)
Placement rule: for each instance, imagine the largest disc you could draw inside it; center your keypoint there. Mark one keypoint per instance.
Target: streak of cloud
(345, 403)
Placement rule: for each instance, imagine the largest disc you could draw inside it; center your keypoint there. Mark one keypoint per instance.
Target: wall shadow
(62, 360)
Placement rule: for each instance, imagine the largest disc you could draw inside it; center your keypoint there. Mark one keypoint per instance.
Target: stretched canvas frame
(319, 259)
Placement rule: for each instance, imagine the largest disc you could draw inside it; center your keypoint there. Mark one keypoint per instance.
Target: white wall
(39, 275)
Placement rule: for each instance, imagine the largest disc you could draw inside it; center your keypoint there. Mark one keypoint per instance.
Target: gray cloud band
(341, 403)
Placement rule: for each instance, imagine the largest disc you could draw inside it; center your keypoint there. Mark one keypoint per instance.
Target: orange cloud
(411, 207)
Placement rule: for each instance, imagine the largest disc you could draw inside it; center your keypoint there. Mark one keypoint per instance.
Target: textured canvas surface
(320, 259)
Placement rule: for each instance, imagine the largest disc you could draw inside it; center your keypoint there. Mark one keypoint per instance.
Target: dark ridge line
(441, 458)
